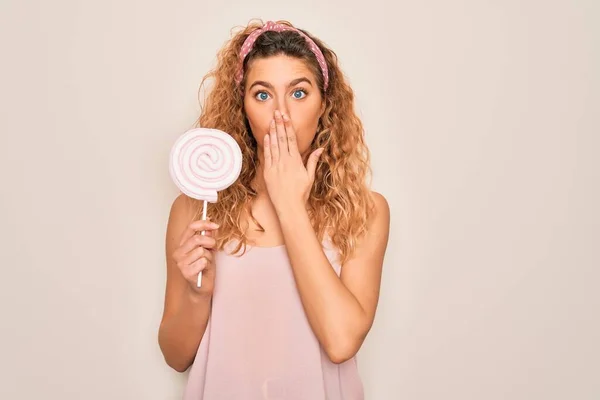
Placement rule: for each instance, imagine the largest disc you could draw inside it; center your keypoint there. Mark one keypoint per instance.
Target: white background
(483, 121)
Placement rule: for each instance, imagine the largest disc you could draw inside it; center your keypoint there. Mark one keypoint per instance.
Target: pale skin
(283, 106)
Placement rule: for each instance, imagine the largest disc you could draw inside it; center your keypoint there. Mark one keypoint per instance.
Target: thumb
(311, 165)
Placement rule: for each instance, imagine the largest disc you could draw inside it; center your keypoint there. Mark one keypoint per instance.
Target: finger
(199, 225)
(281, 135)
(267, 151)
(205, 261)
(211, 233)
(291, 136)
(209, 256)
(311, 164)
(207, 242)
(274, 144)
(194, 256)
(193, 270)
(198, 241)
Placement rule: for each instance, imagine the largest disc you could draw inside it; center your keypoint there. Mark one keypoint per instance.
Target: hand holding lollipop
(202, 162)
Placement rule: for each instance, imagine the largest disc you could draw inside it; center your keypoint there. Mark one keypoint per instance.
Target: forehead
(278, 69)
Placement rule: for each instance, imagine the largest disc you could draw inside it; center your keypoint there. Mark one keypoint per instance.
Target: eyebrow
(292, 83)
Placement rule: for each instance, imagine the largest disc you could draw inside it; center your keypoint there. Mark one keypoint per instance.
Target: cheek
(259, 121)
(306, 129)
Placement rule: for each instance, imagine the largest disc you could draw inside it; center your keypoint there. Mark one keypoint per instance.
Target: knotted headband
(272, 26)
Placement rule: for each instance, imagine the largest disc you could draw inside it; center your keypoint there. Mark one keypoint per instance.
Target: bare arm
(340, 310)
(186, 307)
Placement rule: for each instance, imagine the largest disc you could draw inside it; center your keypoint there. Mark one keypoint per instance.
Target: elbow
(179, 368)
(344, 345)
(172, 359)
(177, 365)
(341, 351)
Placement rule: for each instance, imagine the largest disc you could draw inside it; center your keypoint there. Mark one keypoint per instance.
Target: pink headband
(271, 26)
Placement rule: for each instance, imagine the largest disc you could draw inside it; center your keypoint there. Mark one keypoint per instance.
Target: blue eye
(262, 96)
(302, 91)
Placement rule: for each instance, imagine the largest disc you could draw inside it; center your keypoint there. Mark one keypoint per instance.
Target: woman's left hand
(288, 181)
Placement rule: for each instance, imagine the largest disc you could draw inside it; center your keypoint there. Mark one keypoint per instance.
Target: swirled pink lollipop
(202, 162)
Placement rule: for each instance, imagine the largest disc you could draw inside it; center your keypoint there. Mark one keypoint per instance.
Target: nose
(281, 105)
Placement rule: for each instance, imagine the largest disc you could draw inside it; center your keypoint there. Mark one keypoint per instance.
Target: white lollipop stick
(204, 207)
(202, 162)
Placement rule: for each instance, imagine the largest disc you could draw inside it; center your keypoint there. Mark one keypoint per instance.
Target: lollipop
(202, 162)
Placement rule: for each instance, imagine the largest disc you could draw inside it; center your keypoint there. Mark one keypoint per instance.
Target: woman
(292, 270)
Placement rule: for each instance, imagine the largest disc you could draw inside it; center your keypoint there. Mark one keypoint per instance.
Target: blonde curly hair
(340, 202)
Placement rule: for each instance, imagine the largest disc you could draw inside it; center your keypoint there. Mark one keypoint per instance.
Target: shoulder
(381, 206)
(378, 230)
(183, 210)
(183, 205)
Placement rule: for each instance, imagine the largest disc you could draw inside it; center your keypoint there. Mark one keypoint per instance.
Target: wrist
(291, 210)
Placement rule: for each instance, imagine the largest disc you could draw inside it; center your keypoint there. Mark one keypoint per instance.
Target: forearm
(335, 315)
(180, 333)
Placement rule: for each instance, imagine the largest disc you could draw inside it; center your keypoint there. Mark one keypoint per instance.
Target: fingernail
(214, 225)
(277, 114)
(285, 117)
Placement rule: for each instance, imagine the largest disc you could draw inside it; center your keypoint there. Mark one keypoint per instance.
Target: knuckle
(201, 264)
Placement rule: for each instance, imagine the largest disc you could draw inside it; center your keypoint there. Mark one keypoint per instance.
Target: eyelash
(294, 91)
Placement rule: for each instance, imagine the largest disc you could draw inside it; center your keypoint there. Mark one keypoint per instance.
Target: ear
(323, 105)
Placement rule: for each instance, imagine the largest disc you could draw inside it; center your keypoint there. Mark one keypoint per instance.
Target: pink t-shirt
(258, 344)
